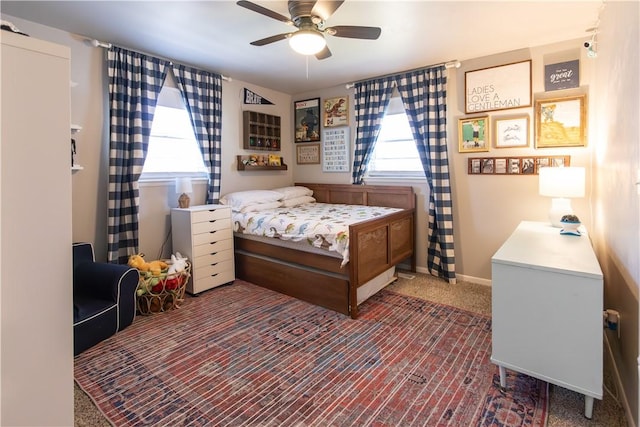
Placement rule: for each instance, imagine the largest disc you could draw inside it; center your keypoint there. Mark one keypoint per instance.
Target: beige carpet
(566, 407)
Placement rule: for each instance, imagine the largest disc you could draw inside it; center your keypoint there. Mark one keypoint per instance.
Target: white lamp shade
(307, 42)
(561, 183)
(566, 182)
(183, 185)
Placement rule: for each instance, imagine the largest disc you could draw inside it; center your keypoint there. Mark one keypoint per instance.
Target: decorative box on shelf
(261, 131)
(258, 162)
(163, 292)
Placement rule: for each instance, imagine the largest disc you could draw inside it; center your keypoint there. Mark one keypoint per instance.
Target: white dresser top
(538, 245)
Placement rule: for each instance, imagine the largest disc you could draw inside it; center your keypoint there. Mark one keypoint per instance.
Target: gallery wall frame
(496, 88)
(513, 165)
(336, 111)
(307, 120)
(511, 131)
(308, 154)
(473, 134)
(561, 122)
(336, 146)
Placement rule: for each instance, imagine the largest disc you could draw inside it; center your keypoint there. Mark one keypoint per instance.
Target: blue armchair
(104, 298)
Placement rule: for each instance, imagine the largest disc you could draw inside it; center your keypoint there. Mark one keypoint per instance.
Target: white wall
(614, 119)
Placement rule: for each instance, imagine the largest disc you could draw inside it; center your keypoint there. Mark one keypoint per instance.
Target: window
(395, 153)
(173, 149)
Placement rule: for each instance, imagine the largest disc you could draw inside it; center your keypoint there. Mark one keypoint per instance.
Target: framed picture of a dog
(561, 122)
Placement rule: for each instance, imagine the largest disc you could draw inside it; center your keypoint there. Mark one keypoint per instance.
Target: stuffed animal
(178, 264)
(154, 267)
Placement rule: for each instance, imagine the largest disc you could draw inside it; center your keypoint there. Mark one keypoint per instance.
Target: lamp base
(559, 208)
(184, 200)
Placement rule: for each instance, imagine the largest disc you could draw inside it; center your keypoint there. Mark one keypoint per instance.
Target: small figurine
(570, 224)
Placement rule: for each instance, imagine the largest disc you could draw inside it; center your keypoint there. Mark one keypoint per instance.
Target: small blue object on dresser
(570, 224)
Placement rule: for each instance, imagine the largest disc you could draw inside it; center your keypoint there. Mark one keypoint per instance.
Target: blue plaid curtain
(202, 94)
(371, 100)
(135, 81)
(424, 97)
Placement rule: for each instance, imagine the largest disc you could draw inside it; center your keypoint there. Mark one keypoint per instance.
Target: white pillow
(290, 203)
(241, 199)
(294, 191)
(255, 207)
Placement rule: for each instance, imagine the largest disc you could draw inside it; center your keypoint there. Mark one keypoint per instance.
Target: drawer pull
(213, 253)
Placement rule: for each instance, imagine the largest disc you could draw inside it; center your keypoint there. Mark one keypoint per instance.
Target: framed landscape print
(561, 122)
(307, 120)
(336, 112)
(473, 134)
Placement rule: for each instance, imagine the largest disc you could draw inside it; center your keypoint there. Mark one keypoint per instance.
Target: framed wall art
(335, 150)
(513, 165)
(308, 154)
(498, 88)
(511, 131)
(473, 134)
(307, 120)
(336, 112)
(561, 122)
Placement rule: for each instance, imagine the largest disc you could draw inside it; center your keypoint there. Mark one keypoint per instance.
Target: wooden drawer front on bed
(204, 235)
(321, 262)
(314, 286)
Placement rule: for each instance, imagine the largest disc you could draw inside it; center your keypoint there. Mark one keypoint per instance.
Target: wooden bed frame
(374, 247)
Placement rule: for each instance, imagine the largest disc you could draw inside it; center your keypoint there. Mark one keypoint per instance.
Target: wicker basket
(157, 294)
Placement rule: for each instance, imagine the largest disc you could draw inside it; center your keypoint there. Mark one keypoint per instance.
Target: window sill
(395, 180)
(164, 181)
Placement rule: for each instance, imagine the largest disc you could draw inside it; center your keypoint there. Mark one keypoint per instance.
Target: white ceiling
(215, 35)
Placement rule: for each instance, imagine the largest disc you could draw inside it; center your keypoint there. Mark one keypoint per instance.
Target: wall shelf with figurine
(74, 130)
(257, 162)
(261, 131)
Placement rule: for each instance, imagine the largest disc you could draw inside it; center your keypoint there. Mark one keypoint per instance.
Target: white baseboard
(622, 397)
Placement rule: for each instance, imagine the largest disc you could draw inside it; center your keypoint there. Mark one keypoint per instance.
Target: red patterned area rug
(241, 355)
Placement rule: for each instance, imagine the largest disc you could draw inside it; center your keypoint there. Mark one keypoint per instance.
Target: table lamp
(562, 184)
(183, 187)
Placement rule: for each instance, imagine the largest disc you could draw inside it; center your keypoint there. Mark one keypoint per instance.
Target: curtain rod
(450, 64)
(98, 43)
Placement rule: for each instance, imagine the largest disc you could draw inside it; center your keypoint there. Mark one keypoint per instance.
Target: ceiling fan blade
(264, 11)
(324, 53)
(354, 32)
(271, 39)
(325, 8)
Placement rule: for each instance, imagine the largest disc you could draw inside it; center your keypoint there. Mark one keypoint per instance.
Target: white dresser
(205, 236)
(547, 309)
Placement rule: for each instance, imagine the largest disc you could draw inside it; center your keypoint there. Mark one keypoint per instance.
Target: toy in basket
(162, 283)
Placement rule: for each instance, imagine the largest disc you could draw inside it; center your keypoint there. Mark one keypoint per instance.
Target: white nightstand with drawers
(204, 235)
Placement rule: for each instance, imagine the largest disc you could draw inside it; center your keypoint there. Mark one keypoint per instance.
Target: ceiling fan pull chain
(306, 58)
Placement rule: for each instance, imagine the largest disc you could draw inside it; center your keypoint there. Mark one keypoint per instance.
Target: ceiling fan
(309, 18)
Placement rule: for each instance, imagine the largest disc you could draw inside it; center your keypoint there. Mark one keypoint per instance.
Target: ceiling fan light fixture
(307, 42)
